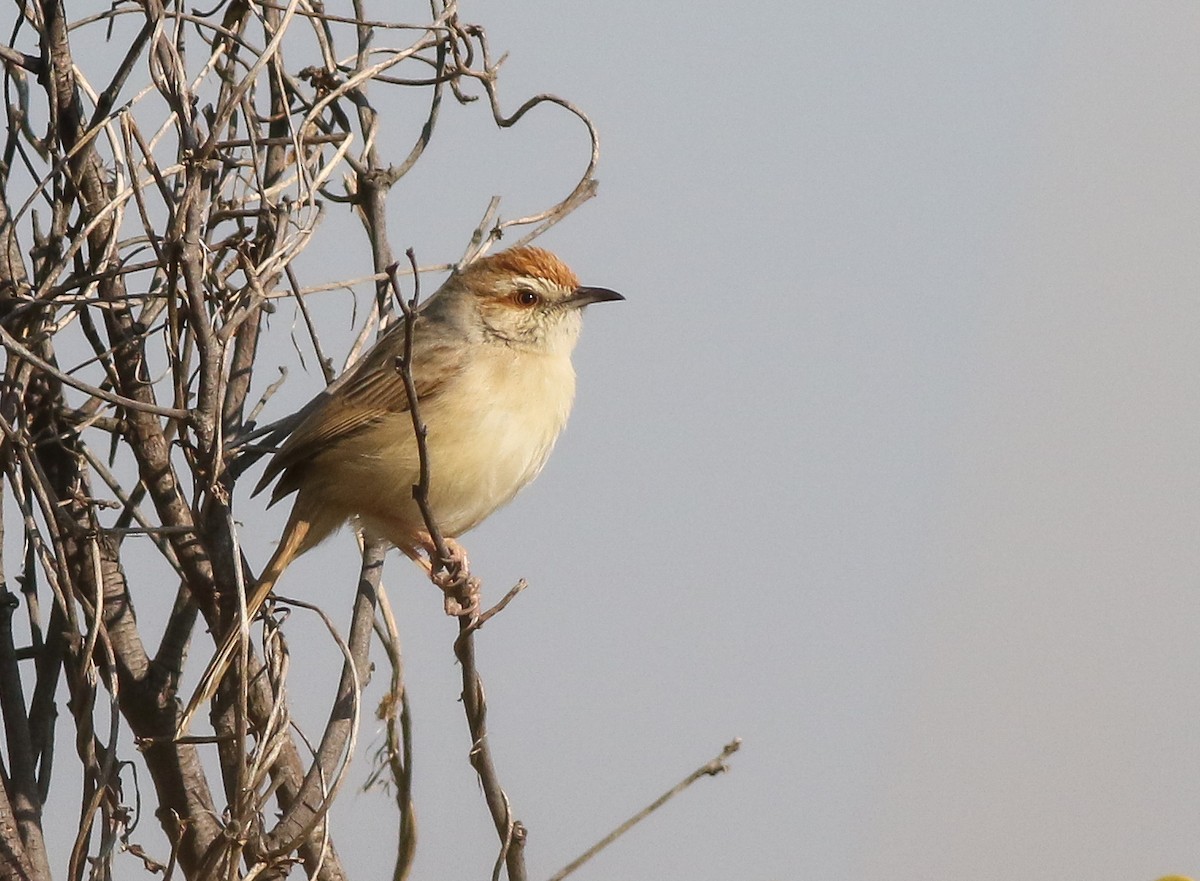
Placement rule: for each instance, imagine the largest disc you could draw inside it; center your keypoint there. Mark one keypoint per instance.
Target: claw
(453, 576)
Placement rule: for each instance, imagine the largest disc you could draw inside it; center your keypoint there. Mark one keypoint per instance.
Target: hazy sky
(889, 463)
(887, 466)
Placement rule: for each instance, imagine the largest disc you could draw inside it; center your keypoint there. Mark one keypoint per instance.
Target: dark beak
(584, 296)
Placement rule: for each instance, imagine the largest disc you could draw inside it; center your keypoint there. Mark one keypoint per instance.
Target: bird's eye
(526, 297)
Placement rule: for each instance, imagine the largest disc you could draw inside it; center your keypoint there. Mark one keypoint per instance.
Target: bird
(490, 361)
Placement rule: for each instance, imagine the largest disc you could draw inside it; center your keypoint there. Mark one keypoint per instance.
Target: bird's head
(528, 298)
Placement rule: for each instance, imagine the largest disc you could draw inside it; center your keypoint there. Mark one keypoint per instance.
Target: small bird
(491, 363)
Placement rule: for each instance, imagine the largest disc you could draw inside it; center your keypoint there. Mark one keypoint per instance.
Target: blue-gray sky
(888, 465)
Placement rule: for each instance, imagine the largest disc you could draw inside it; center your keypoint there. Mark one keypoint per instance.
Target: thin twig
(482, 618)
(222, 189)
(397, 753)
(20, 351)
(708, 769)
(466, 590)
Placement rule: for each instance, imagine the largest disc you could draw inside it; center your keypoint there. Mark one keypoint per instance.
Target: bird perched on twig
(491, 365)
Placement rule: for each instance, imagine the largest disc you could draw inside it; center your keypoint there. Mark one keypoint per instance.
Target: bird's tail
(291, 545)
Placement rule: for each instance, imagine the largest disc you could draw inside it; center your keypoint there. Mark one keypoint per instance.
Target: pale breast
(489, 434)
(493, 433)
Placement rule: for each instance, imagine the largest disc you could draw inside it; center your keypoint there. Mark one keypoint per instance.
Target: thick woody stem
(21, 842)
(311, 804)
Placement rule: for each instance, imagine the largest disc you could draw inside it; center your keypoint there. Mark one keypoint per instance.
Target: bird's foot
(456, 559)
(453, 575)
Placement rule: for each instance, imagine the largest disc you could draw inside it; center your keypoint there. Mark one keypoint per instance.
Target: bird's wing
(371, 391)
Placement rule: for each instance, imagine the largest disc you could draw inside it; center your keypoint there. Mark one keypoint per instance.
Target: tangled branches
(148, 224)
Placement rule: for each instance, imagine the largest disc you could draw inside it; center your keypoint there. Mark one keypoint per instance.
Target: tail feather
(293, 543)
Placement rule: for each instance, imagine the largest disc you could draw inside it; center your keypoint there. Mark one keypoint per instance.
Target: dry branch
(710, 768)
(150, 223)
